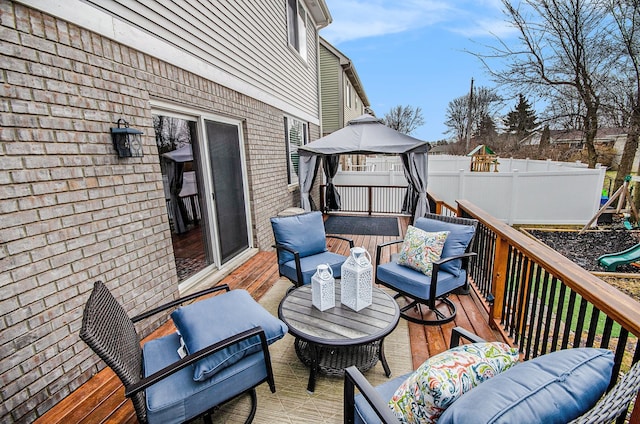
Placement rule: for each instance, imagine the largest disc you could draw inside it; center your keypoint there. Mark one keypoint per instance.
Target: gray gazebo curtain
(330, 164)
(307, 168)
(410, 196)
(174, 175)
(415, 169)
(174, 161)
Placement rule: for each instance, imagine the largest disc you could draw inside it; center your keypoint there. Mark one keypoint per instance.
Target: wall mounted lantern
(127, 140)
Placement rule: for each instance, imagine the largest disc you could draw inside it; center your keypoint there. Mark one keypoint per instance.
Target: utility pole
(469, 115)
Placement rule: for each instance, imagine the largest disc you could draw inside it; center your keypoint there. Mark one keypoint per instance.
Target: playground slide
(611, 260)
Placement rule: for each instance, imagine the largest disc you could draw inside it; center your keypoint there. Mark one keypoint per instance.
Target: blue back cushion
(553, 388)
(455, 244)
(303, 233)
(214, 319)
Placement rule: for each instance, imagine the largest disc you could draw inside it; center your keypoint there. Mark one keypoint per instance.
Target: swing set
(625, 206)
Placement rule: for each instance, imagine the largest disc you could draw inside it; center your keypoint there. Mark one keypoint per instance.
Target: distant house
(609, 137)
(223, 93)
(342, 96)
(341, 91)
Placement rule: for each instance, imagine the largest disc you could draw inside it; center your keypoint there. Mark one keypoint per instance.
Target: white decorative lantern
(323, 288)
(357, 279)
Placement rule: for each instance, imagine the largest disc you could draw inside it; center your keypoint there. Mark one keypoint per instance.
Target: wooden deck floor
(101, 399)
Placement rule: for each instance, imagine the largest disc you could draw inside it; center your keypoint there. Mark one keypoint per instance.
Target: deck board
(101, 399)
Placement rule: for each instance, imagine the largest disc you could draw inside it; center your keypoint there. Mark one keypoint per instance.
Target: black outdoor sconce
(127, 140)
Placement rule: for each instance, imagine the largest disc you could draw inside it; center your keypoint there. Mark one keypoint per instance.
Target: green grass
(615, 331)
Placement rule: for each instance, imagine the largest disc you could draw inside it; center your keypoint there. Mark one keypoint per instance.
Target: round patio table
(339, 337)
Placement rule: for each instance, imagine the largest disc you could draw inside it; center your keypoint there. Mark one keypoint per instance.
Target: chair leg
(420, 313)
(254, 406)
(206, 418)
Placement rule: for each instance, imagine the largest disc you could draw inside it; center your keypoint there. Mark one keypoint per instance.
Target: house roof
(577, 136)
(319, 12)
(481, 149)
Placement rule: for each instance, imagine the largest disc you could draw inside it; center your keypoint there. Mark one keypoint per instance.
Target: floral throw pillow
(420, 249)
(443, 378)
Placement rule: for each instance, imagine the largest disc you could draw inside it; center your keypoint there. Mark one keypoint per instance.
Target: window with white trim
(347, 93)
(296, 135)
(297, 27)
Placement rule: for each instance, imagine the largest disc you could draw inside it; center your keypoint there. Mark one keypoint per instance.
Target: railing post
(514, 197)
(499, 280)
(438, 207)
(370, 199)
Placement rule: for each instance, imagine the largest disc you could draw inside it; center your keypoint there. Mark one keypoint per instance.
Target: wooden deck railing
(544, 302)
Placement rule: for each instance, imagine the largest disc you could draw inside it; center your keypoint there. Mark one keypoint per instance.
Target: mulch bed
(585, 249)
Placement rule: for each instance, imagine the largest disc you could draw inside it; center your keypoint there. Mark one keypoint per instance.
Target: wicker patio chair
(177, 397)
(371, 405)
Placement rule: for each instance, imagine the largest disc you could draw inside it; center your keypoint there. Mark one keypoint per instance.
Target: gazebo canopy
(183, 154)
(364, 135)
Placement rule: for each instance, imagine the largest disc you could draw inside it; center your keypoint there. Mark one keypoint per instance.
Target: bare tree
(626, 15)
(563, 46)
(404, 119)
(484, 105)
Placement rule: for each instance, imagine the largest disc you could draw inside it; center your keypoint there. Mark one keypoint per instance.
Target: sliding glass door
(225, 160)
(204, 182)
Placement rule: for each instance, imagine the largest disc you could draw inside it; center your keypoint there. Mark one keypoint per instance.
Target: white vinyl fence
(523, 191)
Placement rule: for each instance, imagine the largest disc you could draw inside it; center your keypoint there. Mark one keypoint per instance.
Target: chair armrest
(179, 301)
(342, 238)
(287, 248)
(381, 246)
(460, 333)
(296, 258)
(451, 258)
(196, 356)
(354, 378)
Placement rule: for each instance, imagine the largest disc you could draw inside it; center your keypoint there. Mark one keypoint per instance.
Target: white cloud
(485, 27)
(355, 19)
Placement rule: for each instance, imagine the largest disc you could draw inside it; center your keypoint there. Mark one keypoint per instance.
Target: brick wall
(73, 213)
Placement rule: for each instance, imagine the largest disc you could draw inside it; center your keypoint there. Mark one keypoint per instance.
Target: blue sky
(412, 52)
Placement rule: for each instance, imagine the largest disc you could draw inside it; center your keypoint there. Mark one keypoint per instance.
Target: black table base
(334, 359)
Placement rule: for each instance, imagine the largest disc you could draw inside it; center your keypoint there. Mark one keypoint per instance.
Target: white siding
(242, 42)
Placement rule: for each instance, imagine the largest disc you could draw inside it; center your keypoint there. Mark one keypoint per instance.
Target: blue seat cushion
(415, 283)
(553, 388)
(178, 397)
(211, 320)
(364, 414)
(303, 233)
(309, 265)
(455, 244)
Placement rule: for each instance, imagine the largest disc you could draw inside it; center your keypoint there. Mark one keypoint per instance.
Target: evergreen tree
(486, 131)
(522, 120)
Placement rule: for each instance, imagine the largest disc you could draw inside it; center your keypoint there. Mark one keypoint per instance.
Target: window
(347, 93)
(297, 27)
(295, 136)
